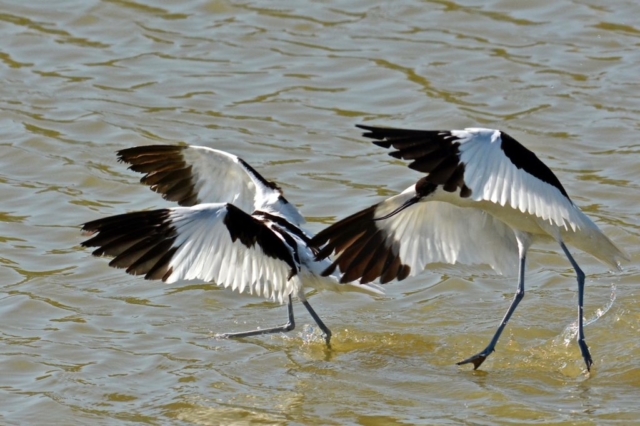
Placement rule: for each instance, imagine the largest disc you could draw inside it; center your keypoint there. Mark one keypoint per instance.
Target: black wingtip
(364, 127)
(373, 133)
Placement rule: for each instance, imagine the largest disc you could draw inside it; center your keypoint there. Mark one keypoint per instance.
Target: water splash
(311, 334)
(570, 333)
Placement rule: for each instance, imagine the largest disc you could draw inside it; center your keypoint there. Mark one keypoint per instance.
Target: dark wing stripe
(180, 190)
(337, 235)
(391, 267)
(291, 242)
(160, 176)
(123, 247)
(403, 272)
(413, 151)
(456, 180)
(348, 257)
(375, 267)
(284, 223)
(330, 269)
(363, 251)
(161, 270)
(115, 245)
(118, 233)
(358, 266)
(191, 200)
(166, 171)
(119, 220)
(150, 259)
(142, 151)
(170, 177)
(441, 174)
(526, 160)
(131, 255)
(341, 234)
(251, 230)
(387, 136)
(428, 163)
(155, 164)
(342, 242)
(140, 241)
(435, 152)
(135, 253)
(258, 176)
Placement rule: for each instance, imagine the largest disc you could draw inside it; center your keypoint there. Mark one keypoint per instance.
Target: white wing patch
(219, 178)
(223, 177)
(206, 252)
(491, 176)
(435, 231)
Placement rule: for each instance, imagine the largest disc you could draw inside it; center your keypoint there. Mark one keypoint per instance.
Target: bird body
(575, 228)
(484, 198)
(233, 228)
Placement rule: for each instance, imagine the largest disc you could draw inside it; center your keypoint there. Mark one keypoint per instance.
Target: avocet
(485, 198)
(234, 228)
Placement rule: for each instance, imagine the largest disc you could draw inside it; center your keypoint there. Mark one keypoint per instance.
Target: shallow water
(282, 86)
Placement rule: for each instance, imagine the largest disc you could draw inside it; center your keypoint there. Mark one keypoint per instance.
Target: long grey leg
(290, 325)
(479, 358)
(324, 328)
(584, 349)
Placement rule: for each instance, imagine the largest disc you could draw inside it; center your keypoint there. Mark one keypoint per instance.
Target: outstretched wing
(209, 242)
(192, 175)
(487, 165)
(367, 247)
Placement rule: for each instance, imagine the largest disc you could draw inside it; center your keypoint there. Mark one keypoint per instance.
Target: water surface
(282, 85)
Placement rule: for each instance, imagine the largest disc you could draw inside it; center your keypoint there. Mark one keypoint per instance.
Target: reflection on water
(282, 85)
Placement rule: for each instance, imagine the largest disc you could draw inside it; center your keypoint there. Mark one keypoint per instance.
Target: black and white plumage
(485, 198)
(234, 228)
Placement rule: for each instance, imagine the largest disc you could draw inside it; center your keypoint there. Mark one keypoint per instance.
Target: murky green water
(282, 84)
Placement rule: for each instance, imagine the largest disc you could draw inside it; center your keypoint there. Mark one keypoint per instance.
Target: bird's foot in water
(584, 349)
(477, 359)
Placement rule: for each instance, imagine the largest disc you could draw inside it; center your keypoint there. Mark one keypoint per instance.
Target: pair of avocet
(484, 198)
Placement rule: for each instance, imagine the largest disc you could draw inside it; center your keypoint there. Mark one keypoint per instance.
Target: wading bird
(484, 198)
(234, 228)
